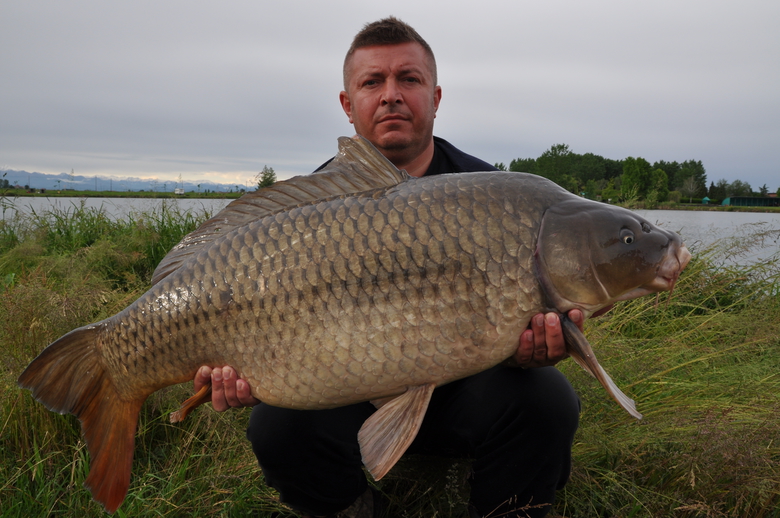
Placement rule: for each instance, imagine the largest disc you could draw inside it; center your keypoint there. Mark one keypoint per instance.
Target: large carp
(356, 284)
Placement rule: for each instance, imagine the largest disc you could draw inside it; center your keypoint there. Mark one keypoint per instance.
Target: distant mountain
(64, 181)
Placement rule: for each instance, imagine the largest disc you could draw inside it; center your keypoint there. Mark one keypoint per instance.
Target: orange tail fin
(68, 377)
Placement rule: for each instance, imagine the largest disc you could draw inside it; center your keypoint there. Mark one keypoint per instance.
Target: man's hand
(227, 389)
(542, 344)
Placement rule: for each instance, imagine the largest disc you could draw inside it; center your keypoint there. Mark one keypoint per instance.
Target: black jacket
(449, 159)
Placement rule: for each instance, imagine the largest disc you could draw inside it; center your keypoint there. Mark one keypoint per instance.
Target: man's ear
(436, 99)
(346, 105)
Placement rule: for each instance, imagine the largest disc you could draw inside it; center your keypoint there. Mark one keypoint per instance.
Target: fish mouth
(666, 276)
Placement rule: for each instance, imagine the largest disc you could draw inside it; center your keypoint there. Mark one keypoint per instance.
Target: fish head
(590, 255)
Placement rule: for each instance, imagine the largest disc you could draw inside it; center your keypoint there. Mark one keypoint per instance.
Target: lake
(113, 207)
(746, 236)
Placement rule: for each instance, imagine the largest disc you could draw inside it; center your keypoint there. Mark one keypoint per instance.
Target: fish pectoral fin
(202, 396)
(386, 435)
(579, 349)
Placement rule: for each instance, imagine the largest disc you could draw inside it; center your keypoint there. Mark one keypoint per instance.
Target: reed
(703, 368)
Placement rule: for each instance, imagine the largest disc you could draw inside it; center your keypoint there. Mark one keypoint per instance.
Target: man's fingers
(229, 383)
(525, 351)
(202, 377)
(538, 328)
(227, 390)
(244, 393)
(575, 315)
(218, 400)
(556, 345)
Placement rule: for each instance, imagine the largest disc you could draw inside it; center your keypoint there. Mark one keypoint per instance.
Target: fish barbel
(355, 284)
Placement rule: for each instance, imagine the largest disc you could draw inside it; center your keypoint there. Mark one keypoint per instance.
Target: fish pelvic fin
(202, 396)
(69, 377)
(386, 435)
(582, 353)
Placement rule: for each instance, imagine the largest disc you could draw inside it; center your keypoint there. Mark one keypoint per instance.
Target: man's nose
(391, 94)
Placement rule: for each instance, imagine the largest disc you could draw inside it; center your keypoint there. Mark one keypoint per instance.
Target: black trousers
(518, 425)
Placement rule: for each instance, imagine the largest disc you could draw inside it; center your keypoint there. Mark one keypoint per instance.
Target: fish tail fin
(69, 377)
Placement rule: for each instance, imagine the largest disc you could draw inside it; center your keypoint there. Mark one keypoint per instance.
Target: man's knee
(541, 396)
(553, 399)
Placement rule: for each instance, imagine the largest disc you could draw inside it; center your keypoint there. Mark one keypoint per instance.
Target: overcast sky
(219, 89)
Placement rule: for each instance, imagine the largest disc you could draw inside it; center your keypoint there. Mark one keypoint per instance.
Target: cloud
(222, 89)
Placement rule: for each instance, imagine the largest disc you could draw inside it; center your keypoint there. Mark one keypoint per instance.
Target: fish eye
(627, 236)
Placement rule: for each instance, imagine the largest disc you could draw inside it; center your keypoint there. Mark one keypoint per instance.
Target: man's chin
(394, 141)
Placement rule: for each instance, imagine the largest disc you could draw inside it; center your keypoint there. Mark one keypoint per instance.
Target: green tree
(636, 177)
(659, 184)
(693, 169)
(500, 166)
(266, 177)
(610, 193)
(569, 183)
(739, 188)
(613, 168)
(587, 167)
(592, 189)
(523, 165)
(718, 190)
(689, 188)
(763, 190)
(651, 200)
(554, 163)
(671, 169)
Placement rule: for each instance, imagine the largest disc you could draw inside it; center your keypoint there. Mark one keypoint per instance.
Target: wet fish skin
(346, 300)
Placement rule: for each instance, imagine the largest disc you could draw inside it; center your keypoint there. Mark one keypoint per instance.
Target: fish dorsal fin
(386, 435)
(357, 167)
(582, 353)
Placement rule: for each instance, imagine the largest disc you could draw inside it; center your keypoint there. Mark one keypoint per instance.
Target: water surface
(744, 236)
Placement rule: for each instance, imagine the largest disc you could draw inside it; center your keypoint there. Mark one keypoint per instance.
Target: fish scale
(350, 305)
(356, 284)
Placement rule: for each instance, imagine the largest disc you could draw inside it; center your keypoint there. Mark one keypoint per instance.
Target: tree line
(632, 178)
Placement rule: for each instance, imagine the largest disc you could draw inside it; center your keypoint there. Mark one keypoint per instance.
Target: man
(517, 421)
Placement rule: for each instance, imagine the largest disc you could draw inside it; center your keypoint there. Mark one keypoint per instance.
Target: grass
(704, 369)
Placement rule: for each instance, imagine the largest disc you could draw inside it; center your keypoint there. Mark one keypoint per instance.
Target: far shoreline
(21, 193)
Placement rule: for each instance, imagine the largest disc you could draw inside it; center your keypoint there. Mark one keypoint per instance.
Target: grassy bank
(704, 370)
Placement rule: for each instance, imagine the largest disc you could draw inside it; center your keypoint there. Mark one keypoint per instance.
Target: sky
(217, 90)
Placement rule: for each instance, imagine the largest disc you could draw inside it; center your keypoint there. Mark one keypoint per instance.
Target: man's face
(391, 99)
